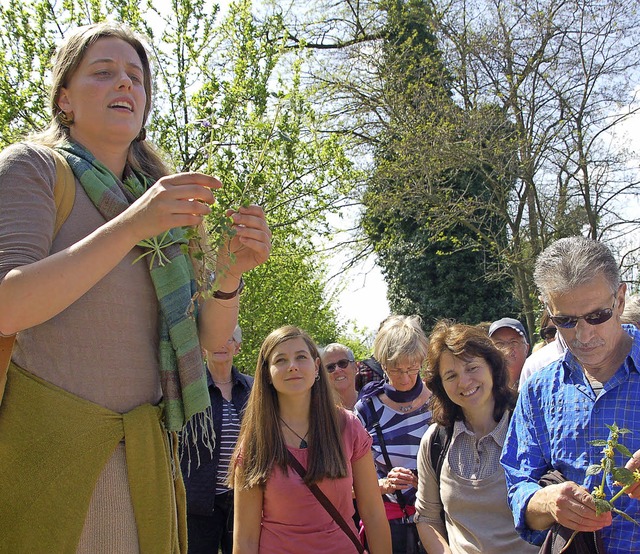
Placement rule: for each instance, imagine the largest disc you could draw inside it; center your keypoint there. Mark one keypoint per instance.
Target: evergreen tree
(433, 274)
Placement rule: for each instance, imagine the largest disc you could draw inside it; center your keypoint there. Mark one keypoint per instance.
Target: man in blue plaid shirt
(569, 403)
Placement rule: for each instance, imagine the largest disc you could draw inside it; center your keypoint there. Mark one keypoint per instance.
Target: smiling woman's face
(343, 379)
(468, 382)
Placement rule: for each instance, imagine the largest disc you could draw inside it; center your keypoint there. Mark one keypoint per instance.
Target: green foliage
(607, 466)
(287, 290)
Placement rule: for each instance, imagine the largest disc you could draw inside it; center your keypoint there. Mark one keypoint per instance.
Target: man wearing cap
(564, 407)
(508, 335)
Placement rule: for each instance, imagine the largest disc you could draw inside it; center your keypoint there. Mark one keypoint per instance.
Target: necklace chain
(303, 442)
(224, 382)
(405, 409)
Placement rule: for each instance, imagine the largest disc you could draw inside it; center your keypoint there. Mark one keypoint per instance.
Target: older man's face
(515, 348)
(342, 379)
(595, 346)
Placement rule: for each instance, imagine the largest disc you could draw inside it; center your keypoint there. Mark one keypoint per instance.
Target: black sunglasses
(593, 318)
(548, 333)
(342, 364)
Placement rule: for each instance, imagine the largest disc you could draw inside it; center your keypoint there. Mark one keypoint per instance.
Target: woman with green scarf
(107, 365)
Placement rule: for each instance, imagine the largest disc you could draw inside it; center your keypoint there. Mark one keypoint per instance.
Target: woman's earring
(65, 119)
(317, 377)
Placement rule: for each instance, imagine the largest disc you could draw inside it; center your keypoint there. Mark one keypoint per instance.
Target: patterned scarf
(182, 371)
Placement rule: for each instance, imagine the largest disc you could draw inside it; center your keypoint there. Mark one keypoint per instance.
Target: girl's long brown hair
(261, 442)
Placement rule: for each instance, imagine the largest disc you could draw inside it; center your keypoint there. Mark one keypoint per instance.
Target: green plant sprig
(621, 475)
(219, 226)
(625, 477)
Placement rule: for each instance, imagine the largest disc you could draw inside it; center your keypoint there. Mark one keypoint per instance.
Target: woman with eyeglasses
(462, 496)
(396, 413)
(341, 367)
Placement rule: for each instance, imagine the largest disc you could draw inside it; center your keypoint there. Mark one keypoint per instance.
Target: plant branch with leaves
(622, 476)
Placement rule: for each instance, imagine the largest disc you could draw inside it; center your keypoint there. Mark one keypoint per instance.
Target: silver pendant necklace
(405, 409)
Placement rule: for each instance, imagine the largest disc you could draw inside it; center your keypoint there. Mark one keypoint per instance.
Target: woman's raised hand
(178, 200)
(249, 246)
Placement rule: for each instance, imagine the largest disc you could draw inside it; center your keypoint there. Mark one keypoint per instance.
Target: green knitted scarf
(182, 371)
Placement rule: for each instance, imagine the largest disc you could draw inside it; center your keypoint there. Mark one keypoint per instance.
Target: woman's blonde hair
(400, 337)
(142, 155)
(261, 443)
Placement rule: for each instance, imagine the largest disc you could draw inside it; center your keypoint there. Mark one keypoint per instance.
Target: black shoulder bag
(560, 539)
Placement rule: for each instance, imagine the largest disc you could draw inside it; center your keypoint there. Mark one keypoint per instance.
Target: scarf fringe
(198, 431)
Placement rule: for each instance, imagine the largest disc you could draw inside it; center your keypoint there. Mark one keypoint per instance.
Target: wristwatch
(229, 295)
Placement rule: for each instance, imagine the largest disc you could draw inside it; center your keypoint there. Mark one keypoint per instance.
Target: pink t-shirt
(293, 521)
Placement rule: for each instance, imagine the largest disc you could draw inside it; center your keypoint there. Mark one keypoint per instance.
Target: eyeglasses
(593, 318)
(342, 364)
(548, 333)
(396, 372)
(508, 344)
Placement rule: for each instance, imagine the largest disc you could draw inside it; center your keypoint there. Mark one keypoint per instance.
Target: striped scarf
(182, 371)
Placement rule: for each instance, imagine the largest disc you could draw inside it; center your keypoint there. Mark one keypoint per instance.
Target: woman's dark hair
(464, 341)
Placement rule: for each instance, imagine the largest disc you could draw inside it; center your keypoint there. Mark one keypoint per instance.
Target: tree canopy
(227, 101)
(522, 149)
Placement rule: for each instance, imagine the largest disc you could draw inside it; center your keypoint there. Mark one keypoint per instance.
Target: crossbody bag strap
(385, 454)
(6, 347)
(326, 503)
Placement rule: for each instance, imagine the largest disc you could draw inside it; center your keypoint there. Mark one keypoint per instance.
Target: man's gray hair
(631, 312)
(572, 262)
(337, 346)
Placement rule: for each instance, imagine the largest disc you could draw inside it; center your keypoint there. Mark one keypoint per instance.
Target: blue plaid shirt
(556, 416)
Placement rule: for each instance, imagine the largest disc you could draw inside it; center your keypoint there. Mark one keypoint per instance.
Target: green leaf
(594, 469)
(623, 475)
(599, 442)
(602, 506)
(623, 450)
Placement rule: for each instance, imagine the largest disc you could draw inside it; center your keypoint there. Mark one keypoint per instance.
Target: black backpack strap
(440, 441)
(375, 421)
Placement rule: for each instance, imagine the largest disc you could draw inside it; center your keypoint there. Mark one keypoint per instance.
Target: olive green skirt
(53, 447)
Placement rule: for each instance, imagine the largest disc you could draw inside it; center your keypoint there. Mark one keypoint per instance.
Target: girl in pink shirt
(292, 409)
